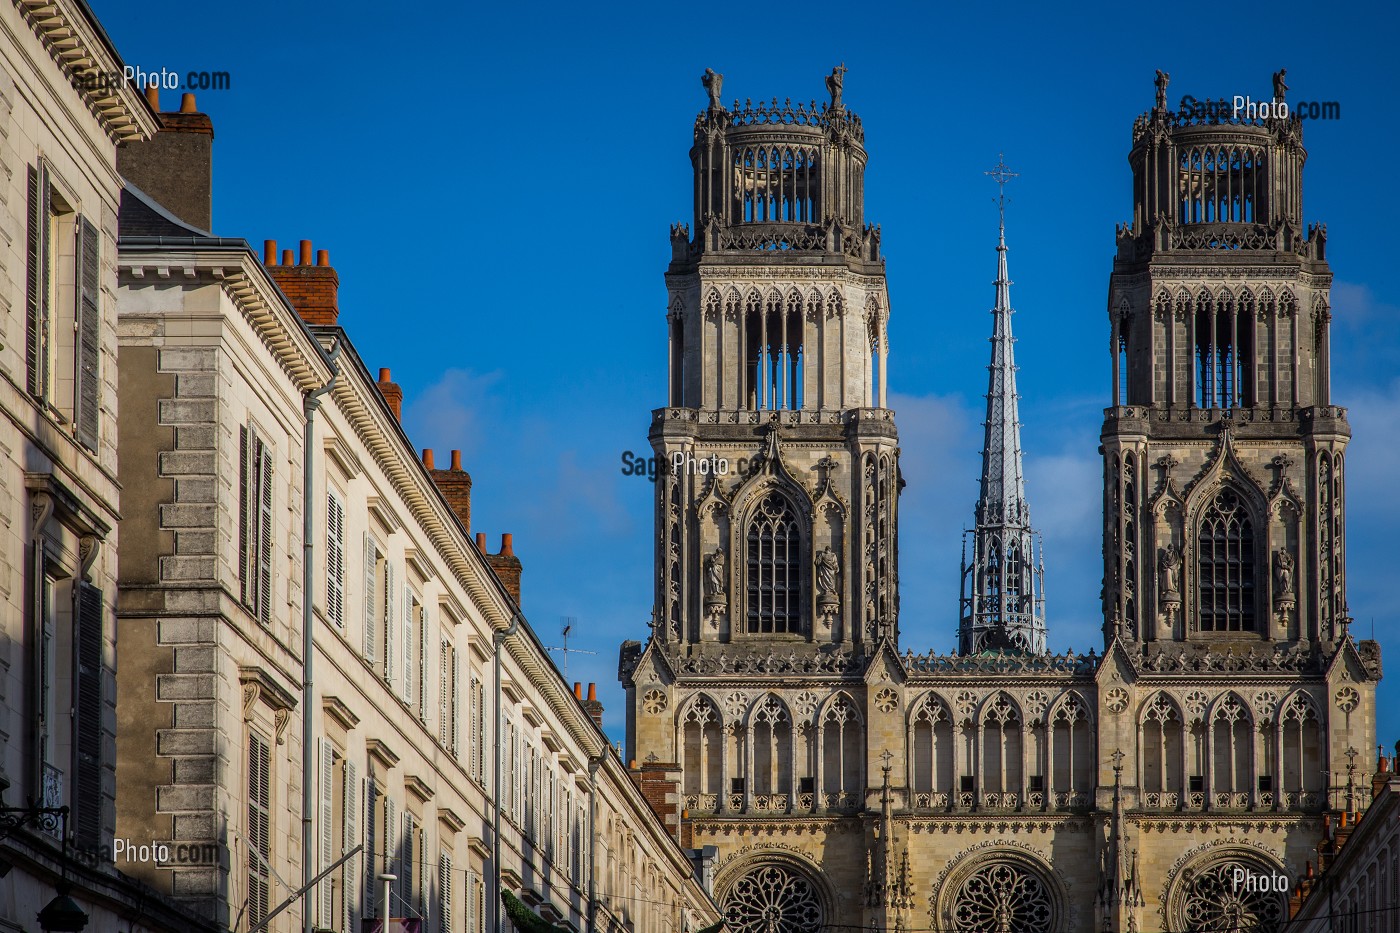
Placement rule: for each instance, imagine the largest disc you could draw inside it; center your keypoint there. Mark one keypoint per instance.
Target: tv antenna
(568, 622)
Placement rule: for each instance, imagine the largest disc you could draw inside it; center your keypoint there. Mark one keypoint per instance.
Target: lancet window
(1221, 184)
(1224, 329)
(770, 744)
(931, 744)
(1001, 746)
(774, 548)
(1225, 552)
(702, 742)
(841, 752)
(777, 184)
(1300, 743)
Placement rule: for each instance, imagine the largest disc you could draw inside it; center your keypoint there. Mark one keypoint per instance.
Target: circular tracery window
(1213, 900)
(1003, 897)
(772, 899)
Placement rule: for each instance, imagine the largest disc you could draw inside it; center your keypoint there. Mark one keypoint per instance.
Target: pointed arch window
(774, 546)
(1225, 554)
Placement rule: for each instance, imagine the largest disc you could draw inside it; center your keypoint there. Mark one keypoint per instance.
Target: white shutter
(327, 836)
(264, 543)
(371, 602)
(456, 703)
(408, 851)
(473, 746)
(444, 893)
(479, 923)
(391, 852)
(391, 614)
(444, 693)
(351, 838)
(408, 640)
(420, 675)
(335, 559)
(471, 901)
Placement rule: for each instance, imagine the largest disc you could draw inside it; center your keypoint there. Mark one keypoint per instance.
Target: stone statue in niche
(1283, 580)
(714, 574)
(714, 82)
(1169, 573)
(715, 600)
(828, 570)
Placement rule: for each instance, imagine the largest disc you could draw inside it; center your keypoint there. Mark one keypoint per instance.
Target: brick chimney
(311, 288)
(593, 707)
(506, 564)
(176, 166)
(455, 484)
(660, 784)
(393, 394)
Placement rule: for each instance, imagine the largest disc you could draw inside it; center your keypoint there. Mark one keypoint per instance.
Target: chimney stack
(455, 484)
(176, 166)
(391, 391)
(592, 707)
(313, 290)
(506, 565)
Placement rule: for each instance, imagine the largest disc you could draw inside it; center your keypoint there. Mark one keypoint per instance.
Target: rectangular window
(335, 559)
(259, 828)
(255, 525)
(63, 321)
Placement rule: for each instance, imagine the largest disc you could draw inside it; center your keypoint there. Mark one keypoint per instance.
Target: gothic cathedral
(1004, 789)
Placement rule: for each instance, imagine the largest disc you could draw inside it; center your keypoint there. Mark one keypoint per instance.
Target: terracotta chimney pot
(323, 257)
(507, 545)
(187, 104)
(456, 460)
(305, 253)
(289, 258)
(269, 252)
(481, 541)
(427, 454)
(153, 96)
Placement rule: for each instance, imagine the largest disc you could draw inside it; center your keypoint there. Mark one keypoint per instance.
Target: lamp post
(62, 914)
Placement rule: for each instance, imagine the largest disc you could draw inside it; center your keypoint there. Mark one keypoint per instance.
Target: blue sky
(495, 184)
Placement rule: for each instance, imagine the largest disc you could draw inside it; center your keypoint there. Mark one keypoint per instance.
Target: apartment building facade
(417, 631)
(61, 126)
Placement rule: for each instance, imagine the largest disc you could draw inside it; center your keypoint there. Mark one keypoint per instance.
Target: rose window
(1003, 898)
(771, 899)
(1212, 902)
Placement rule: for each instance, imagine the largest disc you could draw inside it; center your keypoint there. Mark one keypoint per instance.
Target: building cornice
(75, 40)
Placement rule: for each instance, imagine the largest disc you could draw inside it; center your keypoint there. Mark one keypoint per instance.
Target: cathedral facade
(851, 783)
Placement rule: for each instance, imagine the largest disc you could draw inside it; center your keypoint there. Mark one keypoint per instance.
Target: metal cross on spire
(1001, 175)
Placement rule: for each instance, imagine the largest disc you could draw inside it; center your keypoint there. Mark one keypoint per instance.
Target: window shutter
(444, 694)
(370, 853)
(264, 526)
(36, 356)
(327, 835)
(244, 482)
(371, 602)
(391, 614)
(456, 703)
(444, 893)
(391, 849)
(88, 307)
(87, 787)
(259, 829)
(479, 923)
(408, 850)
(350, 806)
(472, 911)
(335, 560)
(421, 675)
(406, 688)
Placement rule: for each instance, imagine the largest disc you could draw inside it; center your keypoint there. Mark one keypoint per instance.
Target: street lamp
(62, 915)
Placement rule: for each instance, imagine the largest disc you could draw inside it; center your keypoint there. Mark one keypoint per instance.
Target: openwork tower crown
(779, 176)
(1222, 174)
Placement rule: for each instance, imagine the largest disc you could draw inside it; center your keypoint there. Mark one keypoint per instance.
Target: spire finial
(1001, 175)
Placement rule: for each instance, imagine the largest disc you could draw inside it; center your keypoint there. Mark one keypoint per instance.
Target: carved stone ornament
(654, 702)
(886, 700)
(1116, 699)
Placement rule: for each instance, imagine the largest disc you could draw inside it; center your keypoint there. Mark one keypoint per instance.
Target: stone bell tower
(1223, 452)
(776, 508)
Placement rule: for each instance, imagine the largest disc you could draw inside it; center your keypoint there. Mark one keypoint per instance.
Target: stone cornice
(78, 46)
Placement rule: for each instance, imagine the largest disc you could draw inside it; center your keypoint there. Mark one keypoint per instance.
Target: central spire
(1002, 604)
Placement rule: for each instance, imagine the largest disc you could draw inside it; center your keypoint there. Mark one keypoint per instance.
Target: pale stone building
(849, 783)
(64, 113)
(234, 749)
(1355, 887)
